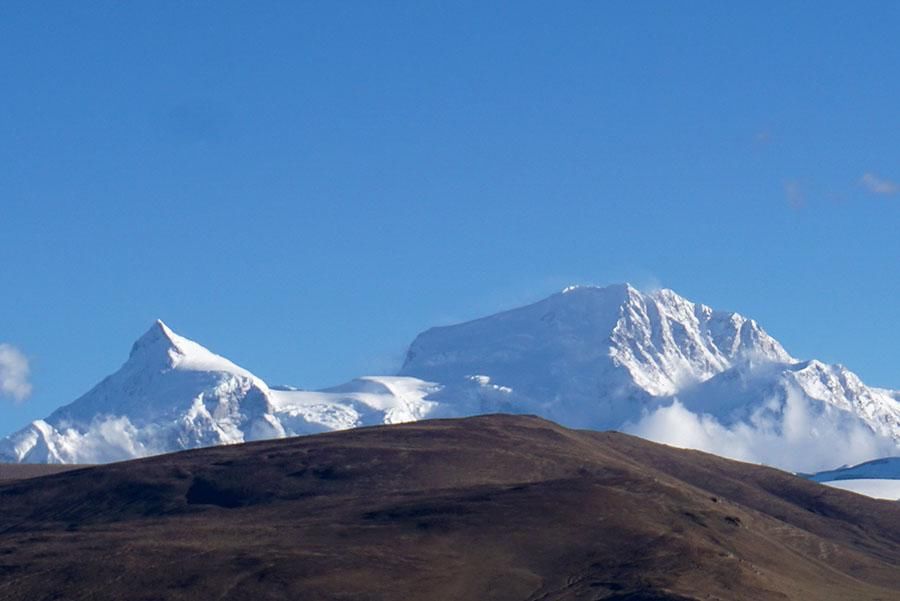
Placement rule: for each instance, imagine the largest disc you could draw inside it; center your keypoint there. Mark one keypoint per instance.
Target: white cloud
(763, 136)
(878, 185)
(792, 434)
(795, 195)
(105, 439)
(14, 373)
(108, 438)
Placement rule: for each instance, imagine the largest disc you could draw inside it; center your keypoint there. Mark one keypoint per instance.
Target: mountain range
(651, 363)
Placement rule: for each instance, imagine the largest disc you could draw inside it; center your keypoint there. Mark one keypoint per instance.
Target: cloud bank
(14, 373)
(792, 434)
(878, 185)
(107, 438)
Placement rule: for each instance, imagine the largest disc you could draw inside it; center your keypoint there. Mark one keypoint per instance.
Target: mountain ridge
(655, 364)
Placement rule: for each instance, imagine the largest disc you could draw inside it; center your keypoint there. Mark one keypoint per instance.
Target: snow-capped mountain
(654, 364)
(662, 367)
(591, 357)
(174, 394)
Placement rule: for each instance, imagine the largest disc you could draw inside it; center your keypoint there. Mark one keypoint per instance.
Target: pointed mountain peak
(158, 342)
(166, 330)
(161, 346)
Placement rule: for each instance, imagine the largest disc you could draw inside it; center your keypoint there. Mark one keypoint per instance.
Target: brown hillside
(486, 508)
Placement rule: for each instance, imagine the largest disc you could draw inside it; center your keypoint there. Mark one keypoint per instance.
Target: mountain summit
(160, 346)
(655, 364)
(590, 356)
(660, 339)
(171, 393)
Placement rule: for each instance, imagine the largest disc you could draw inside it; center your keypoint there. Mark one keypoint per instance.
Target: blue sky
(304, 187)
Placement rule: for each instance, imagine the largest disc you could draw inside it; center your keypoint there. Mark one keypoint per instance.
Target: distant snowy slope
(363, 401)
(886, 468)
(879, 478)
(888, 490)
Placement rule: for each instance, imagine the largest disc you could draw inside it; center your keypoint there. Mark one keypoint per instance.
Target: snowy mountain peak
(161, 347)
(588, 341)
(159, 343)
(623, 289)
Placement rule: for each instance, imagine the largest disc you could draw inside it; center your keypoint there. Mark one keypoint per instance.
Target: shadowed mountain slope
(493, 507)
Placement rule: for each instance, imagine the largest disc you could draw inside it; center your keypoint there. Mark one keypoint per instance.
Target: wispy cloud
(762, 137)
(14, 373)
(795, 195)
(878, 185)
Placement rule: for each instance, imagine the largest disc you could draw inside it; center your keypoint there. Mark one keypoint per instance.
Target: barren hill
(492, 507)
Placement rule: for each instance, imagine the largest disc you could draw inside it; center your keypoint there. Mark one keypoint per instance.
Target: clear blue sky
(304, 187)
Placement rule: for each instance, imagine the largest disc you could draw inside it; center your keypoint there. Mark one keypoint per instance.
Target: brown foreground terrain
(485, 508)
(20, 471)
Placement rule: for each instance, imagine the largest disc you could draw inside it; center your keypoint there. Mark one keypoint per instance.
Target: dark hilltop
(489, 508)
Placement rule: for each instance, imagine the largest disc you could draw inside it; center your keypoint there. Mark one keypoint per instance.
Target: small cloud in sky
(14, 373)
(878, 185)
(646, 282)
(795, 195)
(762, 137)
